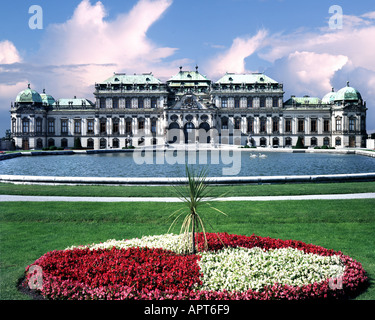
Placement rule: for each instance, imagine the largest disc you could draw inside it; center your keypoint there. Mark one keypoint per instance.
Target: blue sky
(85, 41)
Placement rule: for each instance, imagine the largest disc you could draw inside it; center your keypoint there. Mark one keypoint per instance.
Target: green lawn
(28, 230)
(166, 191)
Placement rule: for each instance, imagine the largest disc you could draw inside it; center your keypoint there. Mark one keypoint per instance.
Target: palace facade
(139, 109)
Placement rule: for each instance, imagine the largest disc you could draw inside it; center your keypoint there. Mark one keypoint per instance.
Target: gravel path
(5, 198)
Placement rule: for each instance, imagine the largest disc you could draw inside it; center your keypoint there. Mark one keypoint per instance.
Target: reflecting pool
(172, 164)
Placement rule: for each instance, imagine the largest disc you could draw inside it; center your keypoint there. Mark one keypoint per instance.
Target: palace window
(326, 141)
(90, 126)
(326, 125)
(153, 103)
(77, 126)
(115, 103)
(64, 143)
(224, 123)
(301, 125)
(140, 103)
(38, 127)
(338, 124)
(51, 126)
(275, 102)
(249, 102)
(128, 126)
(275, 125)
(262, 102)
(262, 127)
(224, 102)
(64, 126)
(128, 103)
(103, 126)
(14, 125)
(115, 126)
(102, 103)
(237, 123)
(141, 124)
(288, 142)
(352, 124)
(313, 127)
(25, 126)
(338, 141)
(236, 102)
(250, 125)
(288, 125)
(314, 142)
(116, 143)
(90, 143)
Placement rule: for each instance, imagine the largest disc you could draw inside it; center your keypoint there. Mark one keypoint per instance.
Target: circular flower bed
(233, 268)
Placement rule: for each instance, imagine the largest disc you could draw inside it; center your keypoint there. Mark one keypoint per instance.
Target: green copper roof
(329, 97)
(144, 78)
(303, 100)
(189, 76)
(250, 78)
(348, 93)
(28, 96)
(47, 99)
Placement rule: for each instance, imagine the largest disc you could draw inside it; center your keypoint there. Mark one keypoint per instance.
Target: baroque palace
(139, 109)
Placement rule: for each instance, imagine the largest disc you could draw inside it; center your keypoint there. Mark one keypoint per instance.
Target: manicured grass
(167, 191)
(28, 230)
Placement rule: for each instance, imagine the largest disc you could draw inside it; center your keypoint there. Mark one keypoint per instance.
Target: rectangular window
(128, 103)
(326, 125)
(102, 103)
(224, 123)
(338, 124)
(301, 125)
(313, 127)
(38, 128)
(250, 125)
(77, 126)
(275, 102)
(352, 124)
(224, 102)
(64, 126)
(237, 123)
(275, 125)
(25, 126)
(153, 103)
(115, 127)
(128, 127)
(115, 103)
(90, 126)
(103, 127)
(249, 102)
(262, 127)
(288, 125)
(51, 126)
(262, 102)
(140, 103)
(236, 102)
(141, 124)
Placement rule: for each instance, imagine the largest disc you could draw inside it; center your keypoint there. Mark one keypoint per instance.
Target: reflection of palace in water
(237, 109)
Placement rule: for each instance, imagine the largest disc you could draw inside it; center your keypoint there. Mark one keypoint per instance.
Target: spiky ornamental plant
(194, 194)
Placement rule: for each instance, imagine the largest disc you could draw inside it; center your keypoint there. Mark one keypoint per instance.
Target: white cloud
(233, 60)
(8, 53)
(100, 47)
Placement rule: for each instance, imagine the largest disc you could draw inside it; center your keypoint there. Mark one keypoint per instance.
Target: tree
(77, 143)
(194, 194)
(299, 144)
